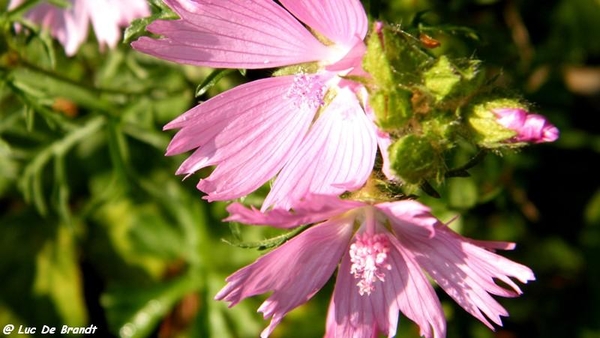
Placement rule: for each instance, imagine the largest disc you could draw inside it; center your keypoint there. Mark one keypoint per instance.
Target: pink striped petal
(314, 209)
(248, 132)
(410, 218)
(294, 272)
(466, 271)
(405, 289)
(336, 156)
(232, 34)
(341, 21)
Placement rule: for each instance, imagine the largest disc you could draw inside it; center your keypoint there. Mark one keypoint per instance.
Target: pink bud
(532, 128)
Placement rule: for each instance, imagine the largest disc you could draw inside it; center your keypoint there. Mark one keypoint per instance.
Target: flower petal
(313, 209)
(336, 156)
(294, 272)
(468, 272)
(339, 20)
(405, 289)
(410, 217)
(249, 132)
(232, 34)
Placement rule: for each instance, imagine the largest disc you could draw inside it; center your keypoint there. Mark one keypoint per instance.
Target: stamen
(368, 255)
(307, 92)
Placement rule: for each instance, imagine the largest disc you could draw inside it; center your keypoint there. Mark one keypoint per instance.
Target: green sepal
(302, 68)
(446, 79)
(393, 58)
(393, 109)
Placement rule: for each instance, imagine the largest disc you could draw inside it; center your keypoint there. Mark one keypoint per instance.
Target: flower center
(307, 92)
(368, 255)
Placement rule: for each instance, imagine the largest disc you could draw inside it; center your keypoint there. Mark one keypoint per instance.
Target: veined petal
(232, 34)
(468, 272)
(336, 156)
(405, 289)
(410, 217)
(414, 295)
(248, 132)
(339, 20)
(294, 272)
(313, 209)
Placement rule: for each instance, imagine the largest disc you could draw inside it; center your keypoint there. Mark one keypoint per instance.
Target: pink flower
(70, 25)
(532, 128)
(309, 128)
(384, 250)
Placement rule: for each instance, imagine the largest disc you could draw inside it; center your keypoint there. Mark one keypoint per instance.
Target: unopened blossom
(530, 128)
(307, 127)
(384, 253)
(70, 25)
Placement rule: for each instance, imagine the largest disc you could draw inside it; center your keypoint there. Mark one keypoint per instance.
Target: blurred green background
(95, 228)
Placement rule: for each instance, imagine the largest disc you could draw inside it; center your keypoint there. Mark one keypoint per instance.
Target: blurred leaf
(58, 276)
(462, 193)
(133, 312)
(592, 210)
(31, 179)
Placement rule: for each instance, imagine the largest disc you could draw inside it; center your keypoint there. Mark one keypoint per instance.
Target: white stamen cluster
(368, 255)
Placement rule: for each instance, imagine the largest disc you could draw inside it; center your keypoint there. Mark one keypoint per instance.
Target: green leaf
(138, 26)
(212, 79)
(268, 243)
(462, 193)
(134, 312)
(58, 277)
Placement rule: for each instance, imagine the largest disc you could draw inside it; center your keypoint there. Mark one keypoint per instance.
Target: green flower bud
(393, 60)
(415, 158)
(487, 132)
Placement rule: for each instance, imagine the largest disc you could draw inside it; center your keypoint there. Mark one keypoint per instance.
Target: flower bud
(505, 122)
(415, 158)
(530, 128)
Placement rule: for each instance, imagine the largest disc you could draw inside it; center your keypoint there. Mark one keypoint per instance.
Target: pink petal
(410, 218)
(312, 210)
(537, 129)
(336, 156)
(413, 293)
(232, 34)
(511, 118)
(248, 132)
(339, 20)
(294, 272)
(467, 272)
(105, 20)
(405, 289)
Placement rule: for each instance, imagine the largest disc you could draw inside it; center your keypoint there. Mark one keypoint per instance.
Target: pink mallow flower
(385, 249)
(530, 128)
(70, 25)
(308, 128)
